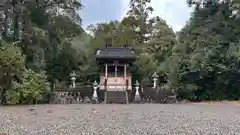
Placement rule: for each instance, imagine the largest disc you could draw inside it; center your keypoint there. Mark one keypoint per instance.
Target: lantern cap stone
(73, 74)
(155, 75)
(95, 83)
(137, 83)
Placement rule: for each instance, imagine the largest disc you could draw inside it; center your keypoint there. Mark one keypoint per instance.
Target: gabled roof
(115, 53)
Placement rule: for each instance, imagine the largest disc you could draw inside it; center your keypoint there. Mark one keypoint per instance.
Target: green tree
(201, 62)
(44, 31)
(33, 88)
(11, 67)
(162, 40)
(138, 18)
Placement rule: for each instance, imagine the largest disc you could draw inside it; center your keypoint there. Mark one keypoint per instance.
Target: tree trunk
(2, 96)
(5, 23)
(16, 26)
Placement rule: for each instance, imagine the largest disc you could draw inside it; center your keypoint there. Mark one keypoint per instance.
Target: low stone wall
(66, 98)
(163, 95)
(80, 94)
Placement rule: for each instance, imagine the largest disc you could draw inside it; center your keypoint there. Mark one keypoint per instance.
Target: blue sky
(175, 12)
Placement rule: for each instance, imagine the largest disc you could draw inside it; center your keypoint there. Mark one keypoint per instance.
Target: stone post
(137, 95)
(155, 82)
(137, 88)
(73, 79)
(95, 96)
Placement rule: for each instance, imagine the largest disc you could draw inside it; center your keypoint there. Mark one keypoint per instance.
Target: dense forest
(43, 40)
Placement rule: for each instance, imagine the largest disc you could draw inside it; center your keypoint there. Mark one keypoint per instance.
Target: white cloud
(124, 7)
(175, 12)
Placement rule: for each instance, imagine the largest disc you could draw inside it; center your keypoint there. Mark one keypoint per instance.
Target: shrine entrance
(115, 75)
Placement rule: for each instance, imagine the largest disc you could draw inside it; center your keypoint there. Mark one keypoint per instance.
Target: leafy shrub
(11, 67)
(33, 88)
(166, 94)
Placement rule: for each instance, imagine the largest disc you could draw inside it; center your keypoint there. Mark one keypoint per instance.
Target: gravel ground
(112, 119)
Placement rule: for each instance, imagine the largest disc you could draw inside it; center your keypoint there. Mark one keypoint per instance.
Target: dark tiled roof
(115, 53)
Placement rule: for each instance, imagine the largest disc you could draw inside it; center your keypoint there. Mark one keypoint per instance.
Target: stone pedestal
(95, 97)
(137, 98)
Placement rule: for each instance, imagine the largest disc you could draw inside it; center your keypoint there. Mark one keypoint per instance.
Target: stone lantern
(73, 79)
(155, 78)
(137, 88)
(95, 86)
(137, 95)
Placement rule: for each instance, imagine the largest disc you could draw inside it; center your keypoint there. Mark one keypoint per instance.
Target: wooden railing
(115, 83)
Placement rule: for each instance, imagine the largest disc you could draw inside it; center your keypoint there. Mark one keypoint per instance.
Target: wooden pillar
(125, 75)
(106, 75)
(105, 97)
(125, 71)
(126, 96)
(115, 70)
(106, 70)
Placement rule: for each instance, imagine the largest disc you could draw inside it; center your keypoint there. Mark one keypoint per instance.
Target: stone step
(116, 97)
